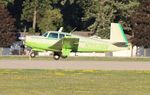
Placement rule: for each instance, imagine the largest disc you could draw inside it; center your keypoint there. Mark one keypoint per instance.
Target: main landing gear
(57, 56)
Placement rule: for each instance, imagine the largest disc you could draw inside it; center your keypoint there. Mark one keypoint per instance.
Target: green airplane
(62, 44)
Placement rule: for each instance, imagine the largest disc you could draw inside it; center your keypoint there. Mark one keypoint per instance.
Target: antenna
(73, 30)
(60, 30)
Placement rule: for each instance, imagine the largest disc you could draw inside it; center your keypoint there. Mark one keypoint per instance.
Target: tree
(34, 10)
(15, 9)
(111, 11)
(72, 14)
(141, 24)
(6, 2)
(51, 21)
(7, 27)
(90, 10)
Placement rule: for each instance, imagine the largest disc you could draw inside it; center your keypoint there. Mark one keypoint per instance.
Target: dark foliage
(15, 10)
(72, 15)
(141, 25)
(7, 27)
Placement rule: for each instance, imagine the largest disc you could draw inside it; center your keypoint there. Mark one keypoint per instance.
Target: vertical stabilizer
(117, 33)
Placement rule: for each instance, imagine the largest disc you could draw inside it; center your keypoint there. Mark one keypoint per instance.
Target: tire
(33, 54)
(56, 56)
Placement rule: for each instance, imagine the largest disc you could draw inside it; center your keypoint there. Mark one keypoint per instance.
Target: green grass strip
(83, 82)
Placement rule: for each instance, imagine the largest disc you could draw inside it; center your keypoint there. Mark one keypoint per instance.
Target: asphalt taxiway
(73, 65)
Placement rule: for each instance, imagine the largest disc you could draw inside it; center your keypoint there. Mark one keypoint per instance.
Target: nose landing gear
(33, 54)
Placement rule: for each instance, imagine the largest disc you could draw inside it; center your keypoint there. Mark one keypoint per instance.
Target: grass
(79, 58)
(83, 82)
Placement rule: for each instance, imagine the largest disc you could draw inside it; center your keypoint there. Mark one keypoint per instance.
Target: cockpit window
(53, 35)
(61, 36)
(45, 34)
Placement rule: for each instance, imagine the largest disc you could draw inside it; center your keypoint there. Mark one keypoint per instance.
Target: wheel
(33, 54)
(56, 55)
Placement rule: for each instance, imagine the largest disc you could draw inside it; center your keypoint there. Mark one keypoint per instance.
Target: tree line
(84, 15)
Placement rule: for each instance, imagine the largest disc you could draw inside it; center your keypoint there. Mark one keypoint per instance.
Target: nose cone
(22, 38)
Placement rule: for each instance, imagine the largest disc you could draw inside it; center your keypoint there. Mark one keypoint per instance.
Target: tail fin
(117, 33)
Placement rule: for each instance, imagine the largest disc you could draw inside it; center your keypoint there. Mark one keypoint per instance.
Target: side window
(53, 35)
(61, 36)
(45, 34)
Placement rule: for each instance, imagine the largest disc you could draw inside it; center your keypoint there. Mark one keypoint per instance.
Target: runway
(73, 65)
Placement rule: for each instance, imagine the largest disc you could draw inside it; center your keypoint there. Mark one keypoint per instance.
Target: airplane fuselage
(61, 44)
(41, 43)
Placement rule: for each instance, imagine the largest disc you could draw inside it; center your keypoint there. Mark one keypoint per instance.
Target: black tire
(56, 56)
(33, 54)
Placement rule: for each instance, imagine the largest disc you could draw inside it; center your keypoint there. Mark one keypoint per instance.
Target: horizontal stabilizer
(120, 44)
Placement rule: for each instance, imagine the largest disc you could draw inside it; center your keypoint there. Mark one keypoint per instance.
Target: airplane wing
(66, 45)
